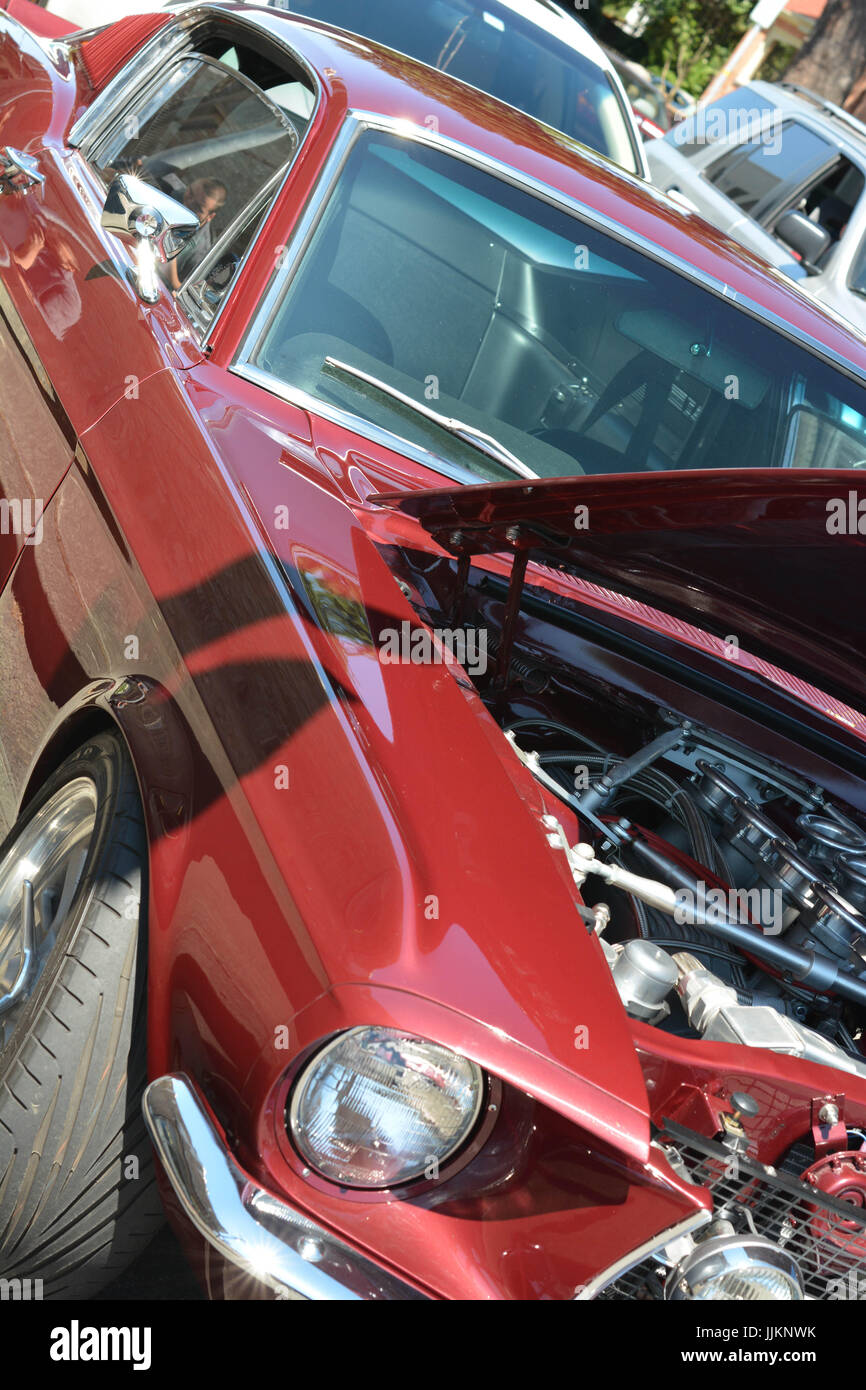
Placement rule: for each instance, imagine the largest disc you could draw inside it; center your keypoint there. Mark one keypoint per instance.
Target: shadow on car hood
(773, 558)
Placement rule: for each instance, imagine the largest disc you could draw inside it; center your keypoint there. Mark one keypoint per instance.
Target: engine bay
(728, 894)
(731, 892)
(711, 814)
(728, 882)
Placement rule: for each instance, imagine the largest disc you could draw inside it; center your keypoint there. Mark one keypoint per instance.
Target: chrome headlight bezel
(473, 1132)
(722, 1257)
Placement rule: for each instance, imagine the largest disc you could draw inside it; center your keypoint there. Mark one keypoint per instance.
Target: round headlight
(378, 1107)
(736, 1269)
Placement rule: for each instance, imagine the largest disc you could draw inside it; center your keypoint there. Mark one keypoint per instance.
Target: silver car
(783, 172)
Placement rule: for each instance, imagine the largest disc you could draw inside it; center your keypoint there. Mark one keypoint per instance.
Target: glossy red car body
(303, 909)
(37, 19)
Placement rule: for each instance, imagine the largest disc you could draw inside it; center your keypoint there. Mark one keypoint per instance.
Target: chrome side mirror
(154, 224)
(18, 171)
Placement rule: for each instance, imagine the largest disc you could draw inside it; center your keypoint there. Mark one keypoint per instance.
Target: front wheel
(78, 1197)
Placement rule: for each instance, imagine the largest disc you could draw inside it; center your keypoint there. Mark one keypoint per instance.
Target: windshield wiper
(485, 443)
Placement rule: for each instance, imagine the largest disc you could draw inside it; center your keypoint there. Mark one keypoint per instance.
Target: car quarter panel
(36, 100)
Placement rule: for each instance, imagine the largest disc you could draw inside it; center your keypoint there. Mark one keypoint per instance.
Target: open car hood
(770, 556)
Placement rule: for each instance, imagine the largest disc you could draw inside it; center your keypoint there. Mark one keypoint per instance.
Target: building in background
(779, 29)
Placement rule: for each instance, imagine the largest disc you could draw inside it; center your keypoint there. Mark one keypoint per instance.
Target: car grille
(826, 1237)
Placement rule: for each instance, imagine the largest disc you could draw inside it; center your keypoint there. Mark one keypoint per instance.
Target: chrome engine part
(644, 975)
(714, 1009)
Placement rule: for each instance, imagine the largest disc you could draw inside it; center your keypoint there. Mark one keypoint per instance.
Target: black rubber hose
(816, 972)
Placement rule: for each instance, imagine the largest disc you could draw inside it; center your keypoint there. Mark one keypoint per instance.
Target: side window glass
(754, 176)
(210, 282)
(210, 138)
(828, 437)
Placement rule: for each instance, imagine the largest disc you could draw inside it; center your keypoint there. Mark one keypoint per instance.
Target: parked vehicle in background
(679, 103)
(783, 171)
(647, 103)
(528, 53)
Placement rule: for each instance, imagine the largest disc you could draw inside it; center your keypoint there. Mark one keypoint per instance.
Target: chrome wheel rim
(39, 878)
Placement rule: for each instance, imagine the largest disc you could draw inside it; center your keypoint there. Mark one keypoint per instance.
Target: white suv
(783, 172)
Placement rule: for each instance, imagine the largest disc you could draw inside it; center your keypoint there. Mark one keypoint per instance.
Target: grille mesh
(826, 1237)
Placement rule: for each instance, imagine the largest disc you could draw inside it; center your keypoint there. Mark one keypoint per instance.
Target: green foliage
(777, 62)
(687, 41)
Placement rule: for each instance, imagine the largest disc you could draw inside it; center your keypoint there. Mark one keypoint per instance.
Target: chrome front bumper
(252, 1230)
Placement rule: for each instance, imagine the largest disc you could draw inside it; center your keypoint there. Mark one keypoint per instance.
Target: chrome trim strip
(255, 1232)
(634, 1257)
(256, 212)
(359, 121)
(302, 233)
(102, 112)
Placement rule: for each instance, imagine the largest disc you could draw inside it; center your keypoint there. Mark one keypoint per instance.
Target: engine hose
(641, 913)
(817, 972)
(541, 723)
(700, 950)
(651, 784)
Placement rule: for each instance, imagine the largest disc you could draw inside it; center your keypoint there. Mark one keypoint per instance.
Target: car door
(74, 334)
(78, 346)
(186, 119)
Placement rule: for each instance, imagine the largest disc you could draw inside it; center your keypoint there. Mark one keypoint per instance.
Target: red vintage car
(432, 725)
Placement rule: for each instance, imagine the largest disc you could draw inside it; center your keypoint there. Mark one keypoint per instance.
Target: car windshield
(573, 351)
(491, 47)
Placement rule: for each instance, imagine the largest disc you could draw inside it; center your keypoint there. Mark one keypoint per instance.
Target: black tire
(78, 1198)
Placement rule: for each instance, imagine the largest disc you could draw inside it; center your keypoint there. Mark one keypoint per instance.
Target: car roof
(840, 127)
(359, 75)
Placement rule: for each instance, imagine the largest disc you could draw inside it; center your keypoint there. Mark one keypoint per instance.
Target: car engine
(734, 892)
(731, 907)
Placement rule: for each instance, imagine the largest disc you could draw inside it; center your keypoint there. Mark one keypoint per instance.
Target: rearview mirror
(156, 225)
(809, 239)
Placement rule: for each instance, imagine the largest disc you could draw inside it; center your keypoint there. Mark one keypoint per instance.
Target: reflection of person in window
(204, 197)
